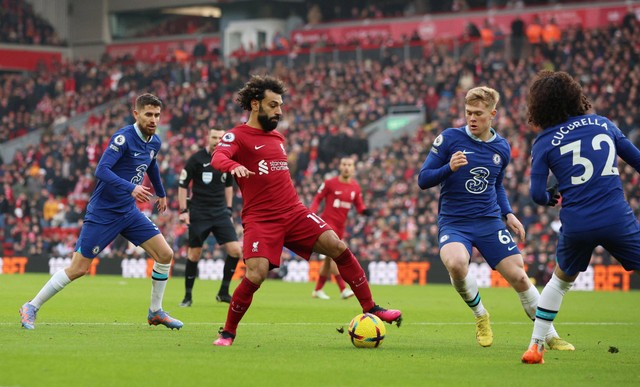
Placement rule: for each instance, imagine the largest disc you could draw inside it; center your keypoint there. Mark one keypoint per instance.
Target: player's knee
(457, 268)
(165, 256)
(337, 247)
(234, 250)
(74, 272)
(520, 281)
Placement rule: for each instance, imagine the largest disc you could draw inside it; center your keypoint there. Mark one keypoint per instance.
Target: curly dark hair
(255, 88)
(148, 99)
(554, 97)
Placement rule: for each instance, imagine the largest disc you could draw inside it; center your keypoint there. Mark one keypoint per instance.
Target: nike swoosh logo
(466, 152)
(323, 225)
(206, 164)
(136, 154)
(511, 248)
(258, 147)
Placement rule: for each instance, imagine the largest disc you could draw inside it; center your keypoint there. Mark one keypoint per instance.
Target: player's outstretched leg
(352, 272)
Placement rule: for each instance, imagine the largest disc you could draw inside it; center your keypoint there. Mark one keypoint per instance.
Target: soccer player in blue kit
(112, 210)
(580, 149)
(469, 164)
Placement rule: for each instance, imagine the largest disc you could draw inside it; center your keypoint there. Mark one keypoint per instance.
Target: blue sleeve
(628, 152)
(538, 189)
(433, 172)
(538, 178)
(104, 172)
(154, 176)
(501, 193)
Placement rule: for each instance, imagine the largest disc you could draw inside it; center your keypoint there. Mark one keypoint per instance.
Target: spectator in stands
(534, 34)
(518, 37)
(199, 49)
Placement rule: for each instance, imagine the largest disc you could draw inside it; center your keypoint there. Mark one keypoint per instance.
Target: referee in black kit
(209, 211)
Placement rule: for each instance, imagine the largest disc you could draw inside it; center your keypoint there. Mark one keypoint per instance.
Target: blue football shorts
(98, 232)
(489, 235)
(621, 240)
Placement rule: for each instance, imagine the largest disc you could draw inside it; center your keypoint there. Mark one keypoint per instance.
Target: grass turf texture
(95, 333)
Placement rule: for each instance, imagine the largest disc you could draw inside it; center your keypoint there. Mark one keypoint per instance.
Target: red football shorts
(297, 230)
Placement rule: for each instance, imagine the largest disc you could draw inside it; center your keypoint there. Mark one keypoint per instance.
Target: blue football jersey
(475, 190)
(582, 155)
(122, 166)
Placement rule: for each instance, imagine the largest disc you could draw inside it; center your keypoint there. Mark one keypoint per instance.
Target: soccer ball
(366, 331)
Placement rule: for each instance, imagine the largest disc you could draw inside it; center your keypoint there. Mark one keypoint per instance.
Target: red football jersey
(268, 193)
(338, 198)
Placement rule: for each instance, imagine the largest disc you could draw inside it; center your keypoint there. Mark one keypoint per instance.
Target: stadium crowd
(46, 186)
(19, 24)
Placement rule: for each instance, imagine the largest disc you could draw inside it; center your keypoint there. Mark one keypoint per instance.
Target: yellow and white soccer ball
(367, 331)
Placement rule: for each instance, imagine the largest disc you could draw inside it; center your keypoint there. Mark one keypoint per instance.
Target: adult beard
(268, 123)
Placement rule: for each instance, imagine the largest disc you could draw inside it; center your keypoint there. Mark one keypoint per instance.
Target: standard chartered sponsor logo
(262, 168)
(279, 166)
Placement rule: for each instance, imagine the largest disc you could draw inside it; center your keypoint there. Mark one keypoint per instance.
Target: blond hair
(483, 94)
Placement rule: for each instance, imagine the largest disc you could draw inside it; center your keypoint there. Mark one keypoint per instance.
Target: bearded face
(267, 122)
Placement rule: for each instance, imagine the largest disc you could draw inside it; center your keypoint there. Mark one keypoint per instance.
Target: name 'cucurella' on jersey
(563, 130)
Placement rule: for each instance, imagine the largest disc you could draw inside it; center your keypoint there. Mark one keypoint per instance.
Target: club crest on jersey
(497, 159)
(438, 141)
(119, 140)
(228, 137)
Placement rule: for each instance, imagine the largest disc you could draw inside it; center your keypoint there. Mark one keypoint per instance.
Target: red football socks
(352, 272)
(240, 303)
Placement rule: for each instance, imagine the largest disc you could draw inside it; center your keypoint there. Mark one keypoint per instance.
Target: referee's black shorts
(202, 225)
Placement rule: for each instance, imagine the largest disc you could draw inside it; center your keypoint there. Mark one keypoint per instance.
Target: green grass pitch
(95, 333)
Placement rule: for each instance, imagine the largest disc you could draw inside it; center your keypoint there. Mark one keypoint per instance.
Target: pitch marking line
(563, 323)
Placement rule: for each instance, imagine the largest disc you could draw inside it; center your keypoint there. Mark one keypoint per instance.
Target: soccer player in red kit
(339, 193)
(273, 216)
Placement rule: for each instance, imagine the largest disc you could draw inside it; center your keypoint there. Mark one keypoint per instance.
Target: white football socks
(468, 290)
(159, 278)
(55, 284)
(550, 302)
